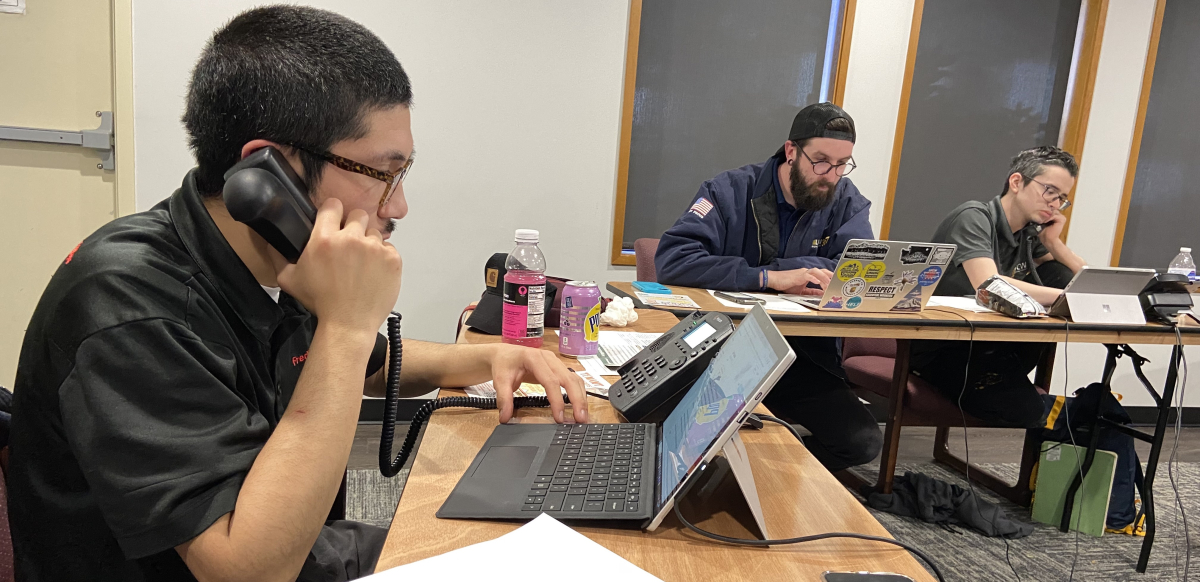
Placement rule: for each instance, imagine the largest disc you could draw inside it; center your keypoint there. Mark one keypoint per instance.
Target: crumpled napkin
(620, 313)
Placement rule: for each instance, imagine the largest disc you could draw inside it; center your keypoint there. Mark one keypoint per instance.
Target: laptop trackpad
(506, 462)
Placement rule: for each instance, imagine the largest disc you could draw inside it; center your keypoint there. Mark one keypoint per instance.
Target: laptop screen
(717, 397)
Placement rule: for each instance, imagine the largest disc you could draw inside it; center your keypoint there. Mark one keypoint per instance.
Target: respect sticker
(849, 270)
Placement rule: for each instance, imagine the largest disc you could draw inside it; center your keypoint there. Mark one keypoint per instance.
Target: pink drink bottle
(525, 292)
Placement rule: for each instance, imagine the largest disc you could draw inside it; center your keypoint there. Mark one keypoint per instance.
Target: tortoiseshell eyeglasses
(392, 179)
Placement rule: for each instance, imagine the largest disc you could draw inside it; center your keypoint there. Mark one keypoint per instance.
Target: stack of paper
(543, 549)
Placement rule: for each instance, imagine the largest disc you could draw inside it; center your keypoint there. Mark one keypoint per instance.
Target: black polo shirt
(152, 372)
(980, 229)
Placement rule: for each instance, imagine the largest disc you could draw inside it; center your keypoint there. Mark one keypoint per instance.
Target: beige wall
(57, 71)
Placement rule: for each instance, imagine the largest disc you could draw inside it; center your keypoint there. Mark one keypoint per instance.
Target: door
(57, 72)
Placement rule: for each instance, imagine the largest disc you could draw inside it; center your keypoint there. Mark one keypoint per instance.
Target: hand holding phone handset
(265, 193)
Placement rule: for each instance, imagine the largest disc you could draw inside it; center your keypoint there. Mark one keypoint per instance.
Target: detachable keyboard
(595, 468)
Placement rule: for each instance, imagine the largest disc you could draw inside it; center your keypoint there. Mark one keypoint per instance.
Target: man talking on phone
(186, 399)
(782, 225)
(1015, 235)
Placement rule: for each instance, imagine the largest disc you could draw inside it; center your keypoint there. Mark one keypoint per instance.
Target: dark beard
(809, 197)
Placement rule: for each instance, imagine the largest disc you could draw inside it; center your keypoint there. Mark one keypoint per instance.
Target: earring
(791, 162)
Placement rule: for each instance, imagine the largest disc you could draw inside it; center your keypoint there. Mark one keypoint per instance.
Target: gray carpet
(1044, 556)
(371, 497)
(1047, 554)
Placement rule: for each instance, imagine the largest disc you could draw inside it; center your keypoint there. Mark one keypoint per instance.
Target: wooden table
(944, 323)
(799, 497)
(940, 323)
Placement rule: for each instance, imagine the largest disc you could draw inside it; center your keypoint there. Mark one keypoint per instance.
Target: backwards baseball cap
(489, 312)
(488, 315)
(810, 122)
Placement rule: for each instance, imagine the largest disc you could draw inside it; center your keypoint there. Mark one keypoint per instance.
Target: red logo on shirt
(71, 254)
(297, 360)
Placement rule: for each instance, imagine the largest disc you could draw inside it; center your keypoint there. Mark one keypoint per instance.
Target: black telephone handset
(655, 379)
(264, 192)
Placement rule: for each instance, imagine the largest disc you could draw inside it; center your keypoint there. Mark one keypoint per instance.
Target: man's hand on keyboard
(512, 365)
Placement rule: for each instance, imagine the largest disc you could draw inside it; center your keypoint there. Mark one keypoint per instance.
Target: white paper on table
(773, 302)
(673, 301)
(964, 303)
(543, 549)
(488, 390)
(593, 365)
(592, 383)
(620, 346)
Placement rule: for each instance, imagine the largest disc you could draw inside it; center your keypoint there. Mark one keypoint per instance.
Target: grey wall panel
(718, 84)
(1165, 203)
(990, 80)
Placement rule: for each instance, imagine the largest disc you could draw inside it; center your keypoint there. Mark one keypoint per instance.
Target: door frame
(121, 29)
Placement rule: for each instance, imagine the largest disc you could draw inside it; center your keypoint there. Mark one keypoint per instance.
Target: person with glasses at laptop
(782, 225)
(186, 399)
(1015, 235)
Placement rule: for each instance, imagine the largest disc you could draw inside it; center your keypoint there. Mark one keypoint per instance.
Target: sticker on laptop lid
(854, 287)
(929, 276)
(853, 302)
(874, 270)
(833, 303)
(911, 302)
(882, 291)
(915, 254)
(941, 255)
(849, 270)
(867, 251)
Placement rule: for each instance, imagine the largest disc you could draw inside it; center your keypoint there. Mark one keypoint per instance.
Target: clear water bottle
(525, 292)
(1183, 264)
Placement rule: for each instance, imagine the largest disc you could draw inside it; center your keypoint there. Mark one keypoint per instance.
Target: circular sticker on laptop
(849, 270)
(854, 287)
(874, 271)
(929, 276)
(853, 302)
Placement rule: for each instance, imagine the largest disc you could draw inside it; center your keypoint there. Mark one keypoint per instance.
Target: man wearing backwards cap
(782, 224)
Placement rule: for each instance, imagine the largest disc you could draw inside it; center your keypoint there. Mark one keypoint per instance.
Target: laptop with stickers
(880, 276)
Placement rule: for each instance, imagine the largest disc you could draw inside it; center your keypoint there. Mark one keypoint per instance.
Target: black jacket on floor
(919, 495)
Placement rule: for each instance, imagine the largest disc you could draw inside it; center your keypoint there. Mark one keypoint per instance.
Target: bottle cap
(526, 235)
(1181, 249)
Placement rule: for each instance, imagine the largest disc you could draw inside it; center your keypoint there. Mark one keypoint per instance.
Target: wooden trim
(122, 99)
(1083, 83)
(843, 55)
(631, 54)
(1136, 147)
(902, 118)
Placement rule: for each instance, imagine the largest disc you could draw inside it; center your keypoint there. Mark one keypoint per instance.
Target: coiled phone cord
(389, 466)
